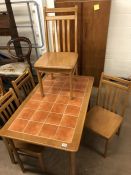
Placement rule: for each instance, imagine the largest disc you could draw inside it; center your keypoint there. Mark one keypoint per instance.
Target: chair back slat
(23, 85)
(68, 35)
(58, 35)
(53, 36)
(113, 94)
(63, 24)
(63, 34)
(8, 104)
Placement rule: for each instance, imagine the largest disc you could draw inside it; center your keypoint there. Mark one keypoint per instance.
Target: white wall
(118, 53)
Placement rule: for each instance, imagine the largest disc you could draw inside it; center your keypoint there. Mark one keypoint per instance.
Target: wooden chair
(1, 88)
(106, 117)
(8, 104)
(19, 62)
(61, 56)
(23, 85)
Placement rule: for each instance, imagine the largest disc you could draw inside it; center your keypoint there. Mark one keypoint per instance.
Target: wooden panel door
(92, 34)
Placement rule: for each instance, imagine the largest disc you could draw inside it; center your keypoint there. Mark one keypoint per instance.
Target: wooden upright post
(13, 28)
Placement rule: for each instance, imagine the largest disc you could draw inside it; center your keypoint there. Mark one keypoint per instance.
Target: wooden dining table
(53, 120)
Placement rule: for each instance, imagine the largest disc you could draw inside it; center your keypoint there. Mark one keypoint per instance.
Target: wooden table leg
(40, 83)
(71, 85)
(72, 164)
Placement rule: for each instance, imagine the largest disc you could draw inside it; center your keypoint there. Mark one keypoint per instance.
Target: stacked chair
(9, 102)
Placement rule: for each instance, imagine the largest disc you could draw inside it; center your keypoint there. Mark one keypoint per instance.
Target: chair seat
(57, 60)
(13, 69)
(103, 122)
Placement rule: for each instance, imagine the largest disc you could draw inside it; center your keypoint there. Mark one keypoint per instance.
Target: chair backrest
(24, 46)
(1, 88)
(8, 105)
(62, 30)
(23, 85)
(113, 94)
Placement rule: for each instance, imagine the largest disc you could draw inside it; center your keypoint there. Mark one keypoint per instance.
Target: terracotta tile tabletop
(53, 120)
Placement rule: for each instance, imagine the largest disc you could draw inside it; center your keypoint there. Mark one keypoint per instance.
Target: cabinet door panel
(95, 29)
(92, 34)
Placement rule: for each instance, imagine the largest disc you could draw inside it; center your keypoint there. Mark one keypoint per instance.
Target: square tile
(46, 89)
(54, 90)
(33, 128)
(65, 92)
(50, 97)
(76, 101)
(26, 113)
(62, 99)
(80, 87)
(78, 93)
(54, 118)
(48, 131)
(72, 110)
(64, 134)
(58, 108)
(37, 96)
(32, 104)
(18, 125)
(48, 82)
(40, 116)
(69, 121)
(46, 106)
(58, 83)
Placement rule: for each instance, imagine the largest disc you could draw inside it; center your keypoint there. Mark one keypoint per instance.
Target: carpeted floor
(89, 162)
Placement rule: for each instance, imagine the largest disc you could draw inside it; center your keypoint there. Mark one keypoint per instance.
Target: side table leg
(40, 83)
(72, 163)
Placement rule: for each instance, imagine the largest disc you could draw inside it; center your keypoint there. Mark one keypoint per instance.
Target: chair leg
(76, 69)
(52, 77)
(17, 156)
(41, 163)
(106, 148)
(71, 85)
(118, 132)
(9, 151)
(40, 82)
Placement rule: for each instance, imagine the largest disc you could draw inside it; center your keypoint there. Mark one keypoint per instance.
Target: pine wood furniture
(23, 85)
(20, 63)
(8, 104)
(92, 34)
(61, 56)
(105, 119)
(54, 120)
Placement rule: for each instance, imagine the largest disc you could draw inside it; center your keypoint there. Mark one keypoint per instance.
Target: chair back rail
(113, 94)
(62, 28)
(9, 103)
(23, 85)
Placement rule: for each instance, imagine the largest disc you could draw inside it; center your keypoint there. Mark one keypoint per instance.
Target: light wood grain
(23, 85)
(106, 117)
(9, 103)
(60, 36)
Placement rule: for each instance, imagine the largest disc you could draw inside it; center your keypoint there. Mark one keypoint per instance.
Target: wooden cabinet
(93, 20)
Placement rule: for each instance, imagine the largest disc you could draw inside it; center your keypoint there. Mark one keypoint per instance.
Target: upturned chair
(1, 88)
(61, 56)
(105, 119)
(19, 63)
(23, 85)
(8, 104)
